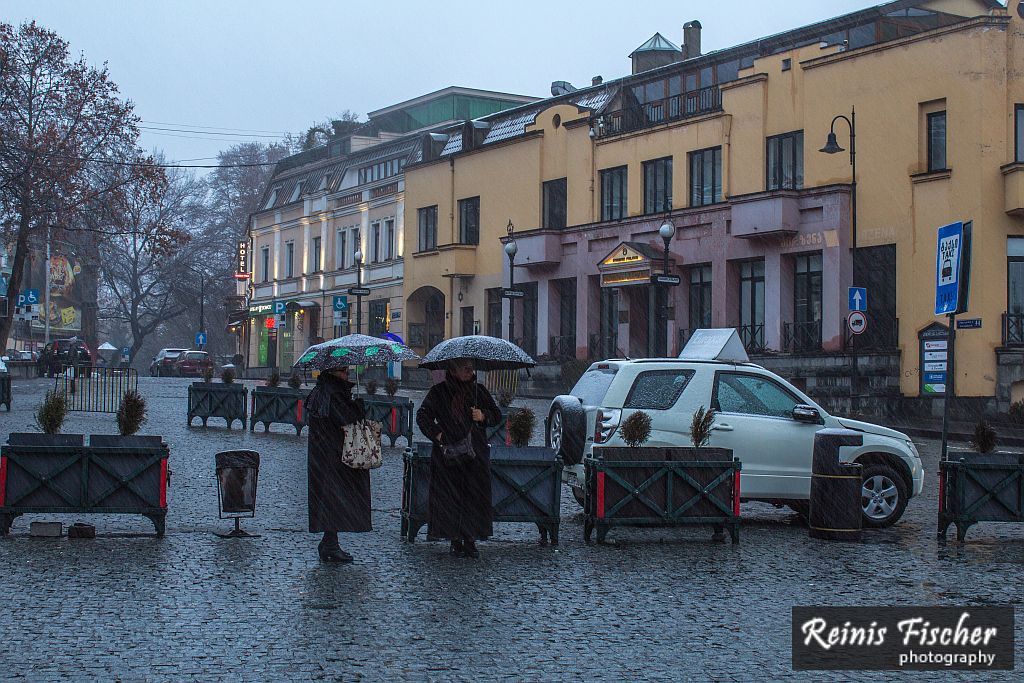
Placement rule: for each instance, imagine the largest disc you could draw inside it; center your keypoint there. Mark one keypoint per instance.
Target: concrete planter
(395, 414)
(661, 487)
(526, 486)
(980, 487)
(57, 473)
(227, 401)
(283, 405)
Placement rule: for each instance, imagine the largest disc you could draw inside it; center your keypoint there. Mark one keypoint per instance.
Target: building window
(355, 245)
(265, 263)
(272, 199)
(785, 156)
(297, 191)
(613, 193)
(381, 170)
(752, 304)
(700, 297)
(937, 141)
(658, 185)
(706, 177)
(340, 253)
(376, 248)
(316, 255)
(1014, 332)
(378, 317)
(389, 239)
(468, 324)
(469, 221)
(289, 259)
(427, 220)
(1018, 126)
(494, 312)
(805, 333)
(555, 204)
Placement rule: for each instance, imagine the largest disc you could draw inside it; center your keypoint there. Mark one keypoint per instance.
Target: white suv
(767, 422)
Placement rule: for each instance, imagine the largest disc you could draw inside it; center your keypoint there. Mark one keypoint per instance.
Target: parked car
(62, 353)
(193, 363)
(767, 422)
(163, 364)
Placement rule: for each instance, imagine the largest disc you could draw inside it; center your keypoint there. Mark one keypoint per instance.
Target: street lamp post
(358, 256)
(832, 147)
(511, 249)
(667, 232)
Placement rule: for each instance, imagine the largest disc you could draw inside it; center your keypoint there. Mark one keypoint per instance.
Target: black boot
(457, 549)
(470, 549)
(330, 550)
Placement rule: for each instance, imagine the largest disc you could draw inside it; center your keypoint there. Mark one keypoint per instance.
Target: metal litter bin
(237, 475)
(835, 506)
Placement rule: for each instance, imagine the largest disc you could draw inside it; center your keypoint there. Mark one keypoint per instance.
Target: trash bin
(835, 506)
(237, 474)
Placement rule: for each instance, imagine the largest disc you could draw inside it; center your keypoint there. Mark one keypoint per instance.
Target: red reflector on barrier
(942, 492)
(600, 495)
(163, 483)
(394, 420)
(3, 480)
(736, 493)
(298, 412)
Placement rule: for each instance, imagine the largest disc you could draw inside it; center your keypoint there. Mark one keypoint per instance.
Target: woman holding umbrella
(454, 411)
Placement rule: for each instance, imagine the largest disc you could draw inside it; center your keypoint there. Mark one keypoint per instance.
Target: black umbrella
(487, 353)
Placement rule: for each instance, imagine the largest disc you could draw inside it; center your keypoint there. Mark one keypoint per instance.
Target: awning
(305, 303)
(237, 317)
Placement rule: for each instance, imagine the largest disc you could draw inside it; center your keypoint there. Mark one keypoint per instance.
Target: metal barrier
(91, 389)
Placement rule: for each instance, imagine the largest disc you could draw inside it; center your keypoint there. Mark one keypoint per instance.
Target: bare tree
(319, 133)
(61, 124)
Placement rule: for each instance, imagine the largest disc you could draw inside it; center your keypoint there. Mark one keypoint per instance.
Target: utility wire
(186, 125)
(203, 132)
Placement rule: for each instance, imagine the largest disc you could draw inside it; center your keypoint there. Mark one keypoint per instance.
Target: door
(755, 419)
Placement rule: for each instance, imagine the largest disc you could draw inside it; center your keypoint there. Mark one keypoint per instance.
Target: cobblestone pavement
(659, 605)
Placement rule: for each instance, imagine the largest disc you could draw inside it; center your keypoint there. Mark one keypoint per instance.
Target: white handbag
(361, 448)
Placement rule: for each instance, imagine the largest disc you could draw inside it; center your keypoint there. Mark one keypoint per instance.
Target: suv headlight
(913, 448)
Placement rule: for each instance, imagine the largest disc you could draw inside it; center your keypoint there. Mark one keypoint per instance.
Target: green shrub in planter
(295, 381)
(227, 375)
(700, 427)
(505, 397)
(520, 427)
(371, 387)
(636, 429)
(51, 412)
(208, 375)
(391, 386)
(984, 439)
(131, 414)
(274, 379)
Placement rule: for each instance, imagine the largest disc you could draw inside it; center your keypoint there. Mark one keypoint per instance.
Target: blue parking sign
(952, 268)
(279, 307)
(341, 303)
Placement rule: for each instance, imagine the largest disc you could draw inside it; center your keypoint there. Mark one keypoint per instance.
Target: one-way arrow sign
(858, 299)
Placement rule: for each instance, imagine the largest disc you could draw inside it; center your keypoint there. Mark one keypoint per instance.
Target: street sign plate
(858, 298)
(666, 280)
(340, 303)
(936, 345)
(358, 291)
(200, 339)
(969, 324)
(512, 294)
(279, 307)
(934, 388)
(935, 377)
(947, 268)
(858, 322)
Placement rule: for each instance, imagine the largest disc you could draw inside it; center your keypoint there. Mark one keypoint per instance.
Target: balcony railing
(562, 348)
(880, 336)
(802, 337)
(1013, 329)
(683, 337)
(603, 347)
(752, 337)
(673, 108)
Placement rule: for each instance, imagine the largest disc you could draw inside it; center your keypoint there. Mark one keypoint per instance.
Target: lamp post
(667, 232)
(832, 147)
(358, 256)
(202, 297)
(511, 249)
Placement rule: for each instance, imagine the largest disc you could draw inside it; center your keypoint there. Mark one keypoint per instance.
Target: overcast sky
(267, 67)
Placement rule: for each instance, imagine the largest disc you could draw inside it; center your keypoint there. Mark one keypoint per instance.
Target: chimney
(691, 39)
(596, 80)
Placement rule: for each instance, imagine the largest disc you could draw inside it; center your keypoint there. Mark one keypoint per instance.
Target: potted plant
(273, 403)
(131, 415)
(980, 486)
(49, 418)
(371, 387)
(395, 413)
(226, 400)
(498, 435)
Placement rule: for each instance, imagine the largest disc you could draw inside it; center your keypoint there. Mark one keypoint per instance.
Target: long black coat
(339, 496)
(460, 495)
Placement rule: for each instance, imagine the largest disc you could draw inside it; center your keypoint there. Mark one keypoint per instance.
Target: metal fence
(96, 390)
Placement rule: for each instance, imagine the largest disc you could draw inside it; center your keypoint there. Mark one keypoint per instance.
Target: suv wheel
(556, 430)
(883, 496)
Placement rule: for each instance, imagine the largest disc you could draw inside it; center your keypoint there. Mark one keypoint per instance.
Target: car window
(195, 356)
(657, 389)
(753, 395)
(593, 386)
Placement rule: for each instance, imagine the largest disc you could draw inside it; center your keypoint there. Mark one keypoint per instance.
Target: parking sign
(952, 268)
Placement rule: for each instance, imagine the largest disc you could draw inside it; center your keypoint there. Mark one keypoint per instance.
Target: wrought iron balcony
(752, 337)
(677, 107)
(802, 337)
(1013, 329)
(881, 335)
(562, 348)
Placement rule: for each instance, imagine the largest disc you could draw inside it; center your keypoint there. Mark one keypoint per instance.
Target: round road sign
(857, 322)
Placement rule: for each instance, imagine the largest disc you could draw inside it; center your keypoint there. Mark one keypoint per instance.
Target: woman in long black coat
(339, 496)
(460, 495)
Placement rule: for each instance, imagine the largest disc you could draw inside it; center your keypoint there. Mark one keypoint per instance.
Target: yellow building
(326, 244)
(720, 151)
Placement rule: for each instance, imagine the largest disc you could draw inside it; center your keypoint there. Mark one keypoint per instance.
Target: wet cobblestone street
(659, 604)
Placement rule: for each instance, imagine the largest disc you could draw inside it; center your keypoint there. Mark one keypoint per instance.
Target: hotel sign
(242, 265)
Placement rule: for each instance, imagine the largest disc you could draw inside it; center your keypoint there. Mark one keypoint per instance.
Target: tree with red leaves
(62, 125)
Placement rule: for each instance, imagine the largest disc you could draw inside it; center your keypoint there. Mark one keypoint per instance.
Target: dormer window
(323, 182)
(272, 200)
(297, 191)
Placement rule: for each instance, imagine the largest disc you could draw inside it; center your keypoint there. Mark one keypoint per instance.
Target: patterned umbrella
(353, 349)
(487, 353)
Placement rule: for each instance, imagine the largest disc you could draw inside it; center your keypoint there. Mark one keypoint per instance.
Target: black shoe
(333, 554)
(471, 551)
(457, 549)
